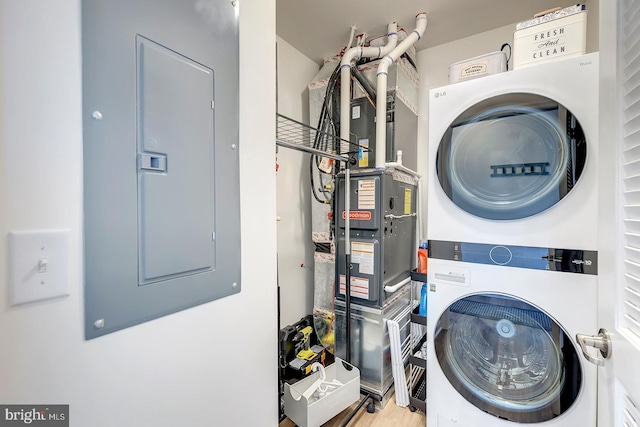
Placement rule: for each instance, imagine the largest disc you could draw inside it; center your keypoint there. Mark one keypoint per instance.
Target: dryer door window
(508, 358)
(511, 156)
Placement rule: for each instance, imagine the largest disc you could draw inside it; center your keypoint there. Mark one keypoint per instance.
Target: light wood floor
(391, 415)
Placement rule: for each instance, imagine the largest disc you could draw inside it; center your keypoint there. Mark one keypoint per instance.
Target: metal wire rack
(299, 136)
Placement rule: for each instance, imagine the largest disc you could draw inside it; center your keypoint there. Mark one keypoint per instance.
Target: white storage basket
(308, 408)
(480, 66)
(558, 35)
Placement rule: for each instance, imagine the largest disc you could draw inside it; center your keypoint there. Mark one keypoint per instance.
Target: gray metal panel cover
(174, 224)
(175, 206)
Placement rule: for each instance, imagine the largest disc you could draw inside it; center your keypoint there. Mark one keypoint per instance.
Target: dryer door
(511, 156)
(508, 358)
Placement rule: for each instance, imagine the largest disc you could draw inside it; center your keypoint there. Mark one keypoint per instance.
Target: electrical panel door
(175, 166)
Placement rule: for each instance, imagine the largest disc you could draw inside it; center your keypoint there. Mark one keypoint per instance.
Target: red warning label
(358, 215)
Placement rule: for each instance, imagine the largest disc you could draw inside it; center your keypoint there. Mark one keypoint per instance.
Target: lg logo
(439, 94)
(579, 261)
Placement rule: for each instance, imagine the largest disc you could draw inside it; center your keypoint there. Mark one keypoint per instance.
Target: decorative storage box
(560, 34)
(483, 65)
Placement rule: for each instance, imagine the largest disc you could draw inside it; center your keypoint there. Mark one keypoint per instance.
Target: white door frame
(619, 378)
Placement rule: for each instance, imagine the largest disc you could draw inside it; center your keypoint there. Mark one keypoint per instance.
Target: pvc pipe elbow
(392, 28)
(421, 24)
(385, 63)
(390, 57)
(392, 39)
(350, 55)
(372, 52)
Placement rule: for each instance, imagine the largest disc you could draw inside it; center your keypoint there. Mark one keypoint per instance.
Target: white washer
(501, 340)
(512, 157)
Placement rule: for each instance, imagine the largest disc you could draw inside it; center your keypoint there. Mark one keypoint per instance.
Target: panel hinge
(213, 104)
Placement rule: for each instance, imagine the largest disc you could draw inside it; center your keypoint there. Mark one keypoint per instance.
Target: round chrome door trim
(508, 358)
(511, 156)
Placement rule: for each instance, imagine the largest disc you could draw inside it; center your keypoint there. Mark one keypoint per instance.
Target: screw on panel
(97, 115)
(234, 3)
(233, 146)
(235, 285)
(99, 324)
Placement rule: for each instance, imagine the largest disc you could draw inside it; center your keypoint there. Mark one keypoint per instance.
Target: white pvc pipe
(381, 119)
(397, 285)
(353, 32)
(381, 87)
(345, 75)
(403, 168)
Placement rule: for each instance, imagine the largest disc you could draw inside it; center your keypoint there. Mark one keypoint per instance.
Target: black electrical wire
(509, 57)
(313, 187)
(324, 113)
(326, 126)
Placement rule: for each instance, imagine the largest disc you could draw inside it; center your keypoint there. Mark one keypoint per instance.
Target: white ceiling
(320, 28)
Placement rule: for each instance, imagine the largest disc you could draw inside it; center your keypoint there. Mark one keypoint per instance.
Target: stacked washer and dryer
(512, 223)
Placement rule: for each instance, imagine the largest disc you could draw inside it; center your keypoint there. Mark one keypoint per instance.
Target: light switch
(38, 265)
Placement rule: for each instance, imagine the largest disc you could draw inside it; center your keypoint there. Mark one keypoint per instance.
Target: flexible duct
(371, 92)
(381, 87)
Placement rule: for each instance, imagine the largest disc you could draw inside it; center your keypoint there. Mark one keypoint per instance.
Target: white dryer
(501, 333)
(512, 157)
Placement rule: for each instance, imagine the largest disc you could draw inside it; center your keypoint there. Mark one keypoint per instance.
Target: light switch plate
(38, 265)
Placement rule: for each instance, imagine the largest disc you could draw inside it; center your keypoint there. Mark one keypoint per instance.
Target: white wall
(202, 366)
(295, 248)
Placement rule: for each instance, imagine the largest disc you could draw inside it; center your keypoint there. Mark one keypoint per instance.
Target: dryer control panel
(552, 259)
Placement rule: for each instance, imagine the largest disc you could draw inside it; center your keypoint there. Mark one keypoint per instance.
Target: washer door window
(508, 358)
(511, 156)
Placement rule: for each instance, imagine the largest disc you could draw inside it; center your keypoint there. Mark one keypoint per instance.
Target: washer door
(511, 156)
(508, 358)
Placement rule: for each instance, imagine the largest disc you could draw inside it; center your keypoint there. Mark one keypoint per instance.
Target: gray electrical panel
(161, 171)
(382, 233)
